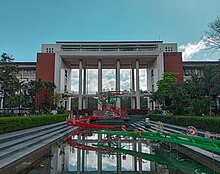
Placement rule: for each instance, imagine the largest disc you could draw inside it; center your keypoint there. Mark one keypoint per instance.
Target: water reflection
(119, 154)
(101, 154)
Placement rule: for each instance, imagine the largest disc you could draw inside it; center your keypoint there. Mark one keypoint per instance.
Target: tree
(49, 92)
(194, 85)
(213, 35)
(34, 87)
(8, 79)
(180, 99)
(165, 87)
(57, 99)
(6, 58)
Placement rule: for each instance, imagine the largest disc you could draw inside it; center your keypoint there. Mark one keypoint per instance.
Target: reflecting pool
(86, 152)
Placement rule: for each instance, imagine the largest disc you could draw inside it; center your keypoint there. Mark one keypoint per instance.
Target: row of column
(82, 102)
(136, 162)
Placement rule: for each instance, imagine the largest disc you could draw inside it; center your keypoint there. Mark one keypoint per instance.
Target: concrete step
(17, 134)
(18, 140)
(22, 146)
(35, 147)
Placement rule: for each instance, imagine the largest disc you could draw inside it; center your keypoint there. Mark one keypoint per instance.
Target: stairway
(17, 145)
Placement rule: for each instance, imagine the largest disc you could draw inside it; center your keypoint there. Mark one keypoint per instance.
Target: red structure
(44, 71)
(173, 63)
(107, 99)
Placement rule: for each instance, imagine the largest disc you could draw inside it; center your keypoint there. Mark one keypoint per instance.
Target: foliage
(171, 95)
(205, 123)
(137, 111)
(6, 58)
(10, 124)
(8, 79)
(213, 35)
(200, 106)
(165, 87)
(57, 99)
(17, 94)
(197, 96)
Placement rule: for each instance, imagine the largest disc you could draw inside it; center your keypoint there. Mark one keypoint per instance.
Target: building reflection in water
(67, 158)
(95, 154)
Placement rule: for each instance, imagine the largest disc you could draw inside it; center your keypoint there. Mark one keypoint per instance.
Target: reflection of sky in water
(93, 137)
(109, 161)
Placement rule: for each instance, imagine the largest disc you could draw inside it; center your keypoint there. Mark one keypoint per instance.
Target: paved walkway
(17, 145)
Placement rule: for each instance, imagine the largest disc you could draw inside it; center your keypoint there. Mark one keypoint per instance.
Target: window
(49, 50)
(152, 73)
(65, 88)
(168, 49)
(152, 88)
(65, 73)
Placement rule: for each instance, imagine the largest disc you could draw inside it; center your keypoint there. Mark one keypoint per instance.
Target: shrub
(10, 124)
(137, 111)
(206, 123)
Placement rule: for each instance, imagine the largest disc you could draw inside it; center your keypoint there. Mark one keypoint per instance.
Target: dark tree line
(16, 93)
(198, 96)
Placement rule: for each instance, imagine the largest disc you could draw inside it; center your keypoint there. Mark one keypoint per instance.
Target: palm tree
(34, 87)
(209, 74)
(49, 87)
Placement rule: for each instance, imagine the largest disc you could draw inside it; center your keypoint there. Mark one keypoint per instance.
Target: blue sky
(26, 24)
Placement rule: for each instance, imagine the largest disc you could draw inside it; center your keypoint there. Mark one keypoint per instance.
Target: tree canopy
(213, 35)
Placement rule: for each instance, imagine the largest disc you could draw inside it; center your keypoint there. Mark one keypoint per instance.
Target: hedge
(10, 124)
(137, 111)
(211, 124)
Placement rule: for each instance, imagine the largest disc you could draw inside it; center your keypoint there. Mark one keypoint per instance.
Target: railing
(118, 48)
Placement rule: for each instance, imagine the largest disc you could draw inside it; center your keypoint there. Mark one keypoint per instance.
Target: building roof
(109, 42)
(25, 63)
(199, 63)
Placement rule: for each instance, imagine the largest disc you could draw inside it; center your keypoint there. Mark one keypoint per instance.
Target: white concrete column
(84, 88)
(140, 159)
(84, 81)
(99, 156)
(149, 79)
(137, 85)
(132, 90)
(118, 102)
(118, 159)
(54, 161)
(84, 102)
(160, 66)
(133, 102)
(68, 103)
(80, 85)
(66, 158)
(134, 148)
(99, 80)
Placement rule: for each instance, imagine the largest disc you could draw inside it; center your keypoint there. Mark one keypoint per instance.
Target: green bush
(211, 124)
(10, 124)
(137, 111)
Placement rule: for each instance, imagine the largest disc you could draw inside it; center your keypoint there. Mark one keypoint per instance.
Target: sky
(26, 24)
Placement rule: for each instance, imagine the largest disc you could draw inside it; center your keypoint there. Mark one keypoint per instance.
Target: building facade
(196, 67)
(55, 62)
(26, 73)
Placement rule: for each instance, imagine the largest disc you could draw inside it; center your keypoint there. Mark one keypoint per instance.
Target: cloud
(108, 80)
(191, 49)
